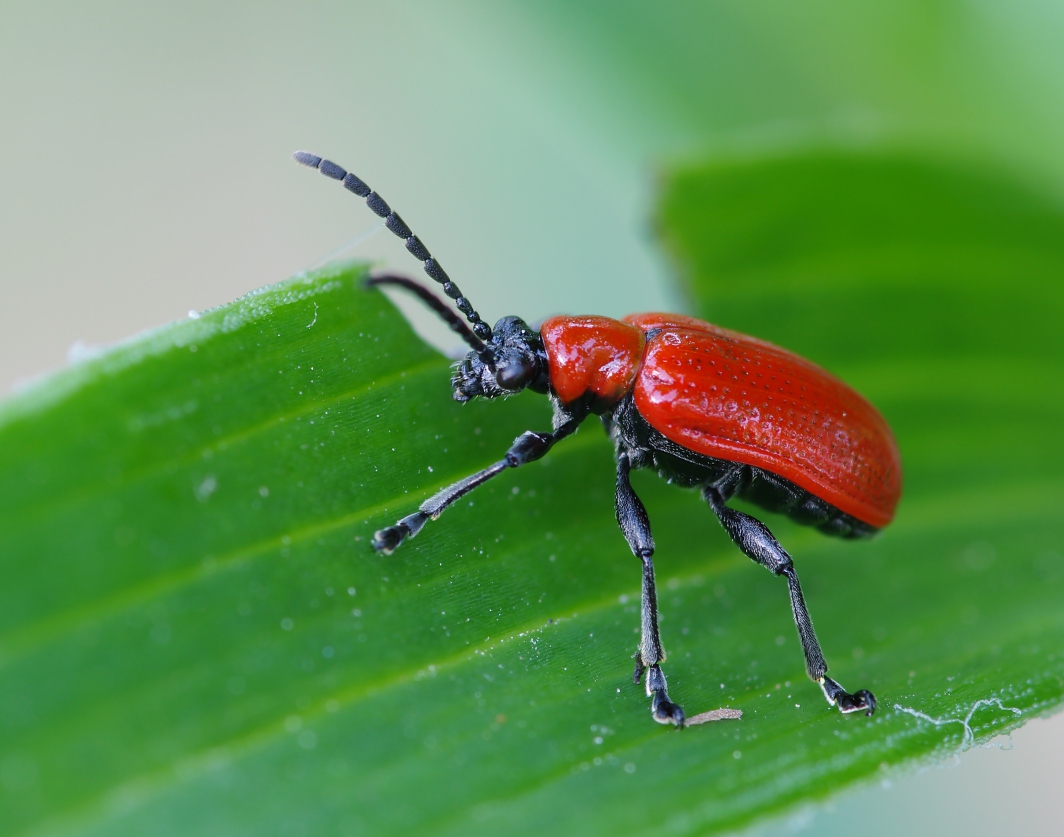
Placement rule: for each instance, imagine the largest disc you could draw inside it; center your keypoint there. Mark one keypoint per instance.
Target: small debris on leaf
(714, 715)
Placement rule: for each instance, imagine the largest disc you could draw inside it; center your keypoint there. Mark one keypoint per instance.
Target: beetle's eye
(514, 374)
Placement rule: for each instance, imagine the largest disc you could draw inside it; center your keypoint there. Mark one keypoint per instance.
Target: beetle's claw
(860, 700)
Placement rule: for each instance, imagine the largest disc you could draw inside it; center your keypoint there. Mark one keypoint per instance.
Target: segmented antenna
(433, 302)
(396, 224)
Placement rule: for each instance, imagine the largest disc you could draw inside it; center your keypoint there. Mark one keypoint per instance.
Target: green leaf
(196, 638)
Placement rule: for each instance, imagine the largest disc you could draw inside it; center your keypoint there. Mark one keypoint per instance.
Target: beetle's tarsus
(860, 700)
(663, 709)
(387, 540)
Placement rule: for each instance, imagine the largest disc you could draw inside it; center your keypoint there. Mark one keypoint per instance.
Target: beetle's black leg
(634, 523)
(758, 543)
(528, 447)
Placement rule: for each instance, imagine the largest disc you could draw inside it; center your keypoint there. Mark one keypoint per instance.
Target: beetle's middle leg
(758, 543)
(634, 523)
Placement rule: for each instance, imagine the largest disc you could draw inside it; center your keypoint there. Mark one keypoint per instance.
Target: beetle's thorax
(593, 358)
(512, 360)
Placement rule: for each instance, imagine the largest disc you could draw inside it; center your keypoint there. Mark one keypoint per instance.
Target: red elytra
(734, 397)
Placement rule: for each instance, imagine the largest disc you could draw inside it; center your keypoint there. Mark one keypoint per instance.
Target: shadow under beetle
(705, 407)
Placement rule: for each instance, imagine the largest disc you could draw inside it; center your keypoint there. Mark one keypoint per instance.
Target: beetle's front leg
(528, 447)
(634, 523)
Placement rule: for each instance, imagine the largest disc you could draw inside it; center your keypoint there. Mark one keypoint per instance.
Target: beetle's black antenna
(433, 302)
(396, 224)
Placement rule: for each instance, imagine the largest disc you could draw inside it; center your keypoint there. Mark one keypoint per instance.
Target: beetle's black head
(513, 359)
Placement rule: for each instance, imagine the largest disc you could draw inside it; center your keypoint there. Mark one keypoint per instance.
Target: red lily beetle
(705, 407)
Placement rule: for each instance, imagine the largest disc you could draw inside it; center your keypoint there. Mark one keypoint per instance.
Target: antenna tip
(305, 158)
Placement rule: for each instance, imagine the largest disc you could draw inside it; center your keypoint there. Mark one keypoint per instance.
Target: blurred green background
(144, 173)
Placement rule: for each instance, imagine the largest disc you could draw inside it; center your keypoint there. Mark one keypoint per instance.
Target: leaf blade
(220, 676)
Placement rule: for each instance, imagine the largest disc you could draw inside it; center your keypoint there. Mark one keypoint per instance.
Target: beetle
(705, 407)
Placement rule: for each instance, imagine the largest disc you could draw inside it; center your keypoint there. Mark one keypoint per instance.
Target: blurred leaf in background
(548, 120)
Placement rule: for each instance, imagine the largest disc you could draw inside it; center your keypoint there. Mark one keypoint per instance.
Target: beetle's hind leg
(634, 523)
(758, 543)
